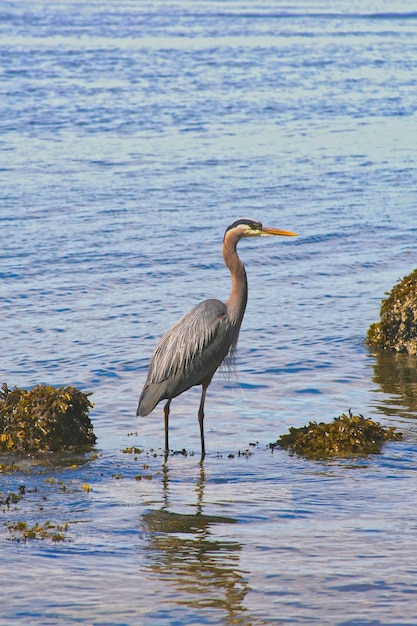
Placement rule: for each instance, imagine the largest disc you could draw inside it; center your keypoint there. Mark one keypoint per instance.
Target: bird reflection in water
(203, 570)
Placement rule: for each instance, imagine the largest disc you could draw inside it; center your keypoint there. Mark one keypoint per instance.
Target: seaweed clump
(397, 330)
(44, 419)
(345, 436)
(23, 532)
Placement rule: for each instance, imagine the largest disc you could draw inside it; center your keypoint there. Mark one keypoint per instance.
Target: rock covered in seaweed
(44, 419)
(397, 330)
(345, 436)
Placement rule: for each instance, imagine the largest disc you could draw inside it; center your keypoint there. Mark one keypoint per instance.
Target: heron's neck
(236, 304)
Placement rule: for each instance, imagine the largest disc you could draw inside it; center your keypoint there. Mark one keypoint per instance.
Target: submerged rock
(44, 419)
(345, 436)
(397, 330)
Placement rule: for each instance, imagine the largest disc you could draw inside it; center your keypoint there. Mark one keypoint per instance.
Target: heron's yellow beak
(277, 231)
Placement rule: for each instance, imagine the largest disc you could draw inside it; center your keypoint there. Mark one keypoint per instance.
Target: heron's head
(246, 227)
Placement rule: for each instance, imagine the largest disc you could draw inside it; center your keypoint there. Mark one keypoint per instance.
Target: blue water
(132, 134)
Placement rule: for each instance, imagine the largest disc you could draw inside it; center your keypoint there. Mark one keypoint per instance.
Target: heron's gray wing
(191, 350)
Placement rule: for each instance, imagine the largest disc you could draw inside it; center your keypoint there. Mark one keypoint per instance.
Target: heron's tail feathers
(150, 396)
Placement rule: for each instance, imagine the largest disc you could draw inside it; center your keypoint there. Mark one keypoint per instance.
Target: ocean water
(132, 134)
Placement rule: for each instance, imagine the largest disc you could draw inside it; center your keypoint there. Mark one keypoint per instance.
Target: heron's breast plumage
(187, 353)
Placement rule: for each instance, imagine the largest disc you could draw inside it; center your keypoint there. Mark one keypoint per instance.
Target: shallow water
(132, 135)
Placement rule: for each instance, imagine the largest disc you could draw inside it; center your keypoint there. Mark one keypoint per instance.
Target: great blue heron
(191, 351)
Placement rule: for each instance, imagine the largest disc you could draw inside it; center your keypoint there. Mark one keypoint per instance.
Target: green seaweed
(397, 328)
(44, 419)
(21, 531)
(346, 435)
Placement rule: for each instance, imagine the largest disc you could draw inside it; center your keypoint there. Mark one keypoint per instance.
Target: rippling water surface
(132, 134)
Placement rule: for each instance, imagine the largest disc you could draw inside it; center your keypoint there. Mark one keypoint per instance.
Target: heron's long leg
(166, 415)
(201, 419)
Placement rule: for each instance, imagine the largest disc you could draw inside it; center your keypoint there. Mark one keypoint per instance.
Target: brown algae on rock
(397, 329)
(44, 419)
(345, 436)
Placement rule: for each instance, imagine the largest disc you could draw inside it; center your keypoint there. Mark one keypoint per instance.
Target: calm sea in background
(132, 134)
